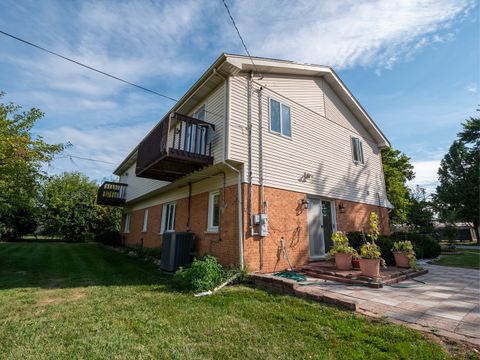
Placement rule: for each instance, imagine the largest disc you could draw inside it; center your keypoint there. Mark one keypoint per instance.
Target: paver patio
(448, 304)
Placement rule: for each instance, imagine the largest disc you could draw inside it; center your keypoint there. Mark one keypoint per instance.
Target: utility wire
(100, 71)
(68, 156)
(240, 36)
(86, 66)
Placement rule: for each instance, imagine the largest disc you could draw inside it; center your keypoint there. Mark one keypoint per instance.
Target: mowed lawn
(83, 301)
(466, 258)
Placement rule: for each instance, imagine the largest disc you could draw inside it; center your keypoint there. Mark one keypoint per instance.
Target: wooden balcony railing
(111, 193)
(178, 145)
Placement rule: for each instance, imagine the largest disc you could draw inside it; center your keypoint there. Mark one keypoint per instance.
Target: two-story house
(255, 158)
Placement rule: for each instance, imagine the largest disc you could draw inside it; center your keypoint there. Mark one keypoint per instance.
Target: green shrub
(430, 248)
(355, 239)
(204, 274)
(109, 237)
(425, 246)
(386, 243)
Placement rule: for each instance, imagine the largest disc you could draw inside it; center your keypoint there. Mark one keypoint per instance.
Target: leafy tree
(397, 170)
(459, 177)
(420, 212)
(21, 157)
(69, 209)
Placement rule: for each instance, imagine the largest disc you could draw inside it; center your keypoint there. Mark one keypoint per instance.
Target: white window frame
(166, 206)
(281, 120)
(360, 156)
(213, 228)
(145, 221)
(126, 226)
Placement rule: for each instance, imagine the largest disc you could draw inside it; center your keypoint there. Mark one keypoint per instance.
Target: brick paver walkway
(449, 303)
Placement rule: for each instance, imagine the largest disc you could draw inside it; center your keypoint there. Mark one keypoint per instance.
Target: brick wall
(287, 220)
(355, 217)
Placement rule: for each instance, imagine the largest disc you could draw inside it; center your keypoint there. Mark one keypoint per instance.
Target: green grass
(79, 301)
(465, 258)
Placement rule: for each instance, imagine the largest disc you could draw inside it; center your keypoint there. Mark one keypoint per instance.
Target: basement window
(126, 226)
(357, 150)
(280, 120)
(168, 218)
(145, 221)
(213, 211)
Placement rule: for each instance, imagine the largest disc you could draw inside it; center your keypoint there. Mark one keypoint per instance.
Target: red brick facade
(287, 219)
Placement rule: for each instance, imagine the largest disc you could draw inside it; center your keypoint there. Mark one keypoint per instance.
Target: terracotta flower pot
(343, 261)
(356, 264)
(401, 259)
(370, 267)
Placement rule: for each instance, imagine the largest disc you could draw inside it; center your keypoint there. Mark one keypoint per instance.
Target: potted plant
(341, 251)
(356, 262)
(370, 252)
(404, 254)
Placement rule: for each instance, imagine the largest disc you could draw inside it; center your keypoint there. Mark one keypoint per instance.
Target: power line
(68, 156)
(99, 71)
(87, 66)
(240, 36)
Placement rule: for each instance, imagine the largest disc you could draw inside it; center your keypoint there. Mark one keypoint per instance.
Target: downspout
(260, 166)
(240, 209)
(239, 173)
(250, 172)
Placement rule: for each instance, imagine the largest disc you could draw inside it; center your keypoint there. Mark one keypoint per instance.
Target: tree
(420, 211)
(69, 209)
(458, 191)
(21, 158)
(397, 170)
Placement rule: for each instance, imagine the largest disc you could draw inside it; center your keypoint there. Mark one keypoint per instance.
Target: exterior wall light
(341, 207)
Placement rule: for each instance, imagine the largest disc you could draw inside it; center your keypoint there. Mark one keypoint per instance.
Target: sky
(413, 65)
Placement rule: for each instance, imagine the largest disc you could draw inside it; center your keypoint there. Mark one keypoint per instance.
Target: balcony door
(321, 225)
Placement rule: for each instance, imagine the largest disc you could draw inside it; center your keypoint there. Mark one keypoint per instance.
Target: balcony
(177, 146)
(111, 193)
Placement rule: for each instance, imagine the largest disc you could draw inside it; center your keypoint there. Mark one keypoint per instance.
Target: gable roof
(232, 64)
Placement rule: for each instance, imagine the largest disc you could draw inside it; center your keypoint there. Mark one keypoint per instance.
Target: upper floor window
(214, 211)
(126, 226)
(200, 113)
(145, 220)
(280, 121)
(168, 218)
(357, 150)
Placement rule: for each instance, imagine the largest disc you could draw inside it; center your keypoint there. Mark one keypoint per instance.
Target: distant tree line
(457, 196)
(32, 202)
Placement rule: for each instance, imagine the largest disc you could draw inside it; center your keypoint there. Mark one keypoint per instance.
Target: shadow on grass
(68, 265)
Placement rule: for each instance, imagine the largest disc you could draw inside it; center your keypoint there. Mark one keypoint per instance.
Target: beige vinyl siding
(138, 186)
(319, 146)
(304, 90)
(215, 106)
(207, 185)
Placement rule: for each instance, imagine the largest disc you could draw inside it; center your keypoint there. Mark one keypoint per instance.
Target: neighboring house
(465, 231)
(286, 139)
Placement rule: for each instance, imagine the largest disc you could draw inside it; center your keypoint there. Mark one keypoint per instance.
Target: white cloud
(109, 144)
(345, 34)
(426, 174)
(473, 88)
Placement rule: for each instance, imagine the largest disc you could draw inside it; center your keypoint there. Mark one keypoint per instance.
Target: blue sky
(414, 65)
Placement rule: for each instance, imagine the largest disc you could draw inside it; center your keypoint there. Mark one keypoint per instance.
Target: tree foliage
(420, 212)
(458, 191)
(69, 209)
(397, 170)
(21, 157)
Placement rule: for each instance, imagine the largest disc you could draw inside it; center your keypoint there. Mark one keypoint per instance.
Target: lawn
(80, 301)
(466, 258)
